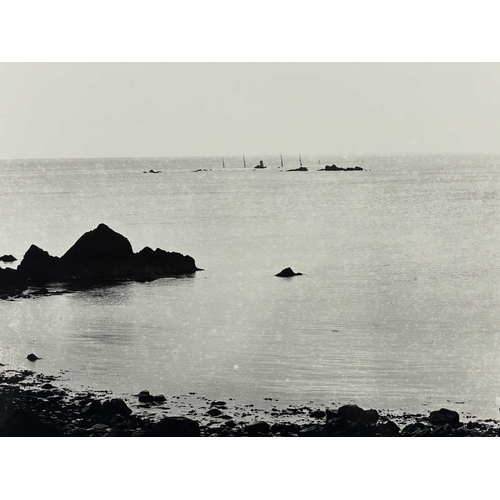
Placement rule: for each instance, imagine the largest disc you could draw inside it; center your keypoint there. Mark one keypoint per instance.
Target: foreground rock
(31, 405)
(287, 273)
(100, 255)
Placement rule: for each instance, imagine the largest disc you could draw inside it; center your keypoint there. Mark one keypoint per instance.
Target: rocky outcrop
(100, 255)
(334, 168)
(38, 266)
(300, 169)
(287, 273)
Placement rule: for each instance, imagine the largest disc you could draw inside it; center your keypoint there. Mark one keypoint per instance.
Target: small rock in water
(287, 273)
(7, 258)
(218, 403)
(160, 398)
(32, 357)
(145, 397)
(214, 412)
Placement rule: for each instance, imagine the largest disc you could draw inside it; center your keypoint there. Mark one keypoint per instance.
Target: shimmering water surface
(398, 306)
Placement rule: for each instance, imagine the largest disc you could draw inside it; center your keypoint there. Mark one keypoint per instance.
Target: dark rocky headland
(99, 256)
(37, 405)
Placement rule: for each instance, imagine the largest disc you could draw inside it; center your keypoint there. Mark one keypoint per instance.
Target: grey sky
(168, 109)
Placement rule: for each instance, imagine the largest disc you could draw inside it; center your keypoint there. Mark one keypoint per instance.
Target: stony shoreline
(38, 405)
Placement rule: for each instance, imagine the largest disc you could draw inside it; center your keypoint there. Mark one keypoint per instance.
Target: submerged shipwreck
(100, 255)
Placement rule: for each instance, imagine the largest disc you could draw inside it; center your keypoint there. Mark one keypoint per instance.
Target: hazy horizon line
(241, 154)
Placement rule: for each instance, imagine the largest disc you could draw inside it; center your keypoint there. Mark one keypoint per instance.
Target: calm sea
(398, 306)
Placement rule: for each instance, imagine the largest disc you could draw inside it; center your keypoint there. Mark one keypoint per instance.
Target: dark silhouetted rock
(32, 357)
(354, 413)
(318, 414)
(176, 427)
(260, 165)
(214, 412)
(444, 416)
(336, 426)
(11, 280)
(7, 258)
(38, 266)
(314, 430)
(101, 243)
(159, 398)
(287, 273)
(415, 429)
(388, 428)
(145, 397)
(300, 169)
(92, 409)
(219, 404)
(334, 168)
(260, 427)
(116, 406)
(285, 429)
(443, 431)
(100, 255)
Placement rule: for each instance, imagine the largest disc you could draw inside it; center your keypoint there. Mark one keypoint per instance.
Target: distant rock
(32, 357)
(260, 165)
(300, 169)
(334, 168)
(287, 273)
(152, 172)
(7, 258)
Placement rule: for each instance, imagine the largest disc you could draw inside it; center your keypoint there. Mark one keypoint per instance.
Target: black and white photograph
(249, 249)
